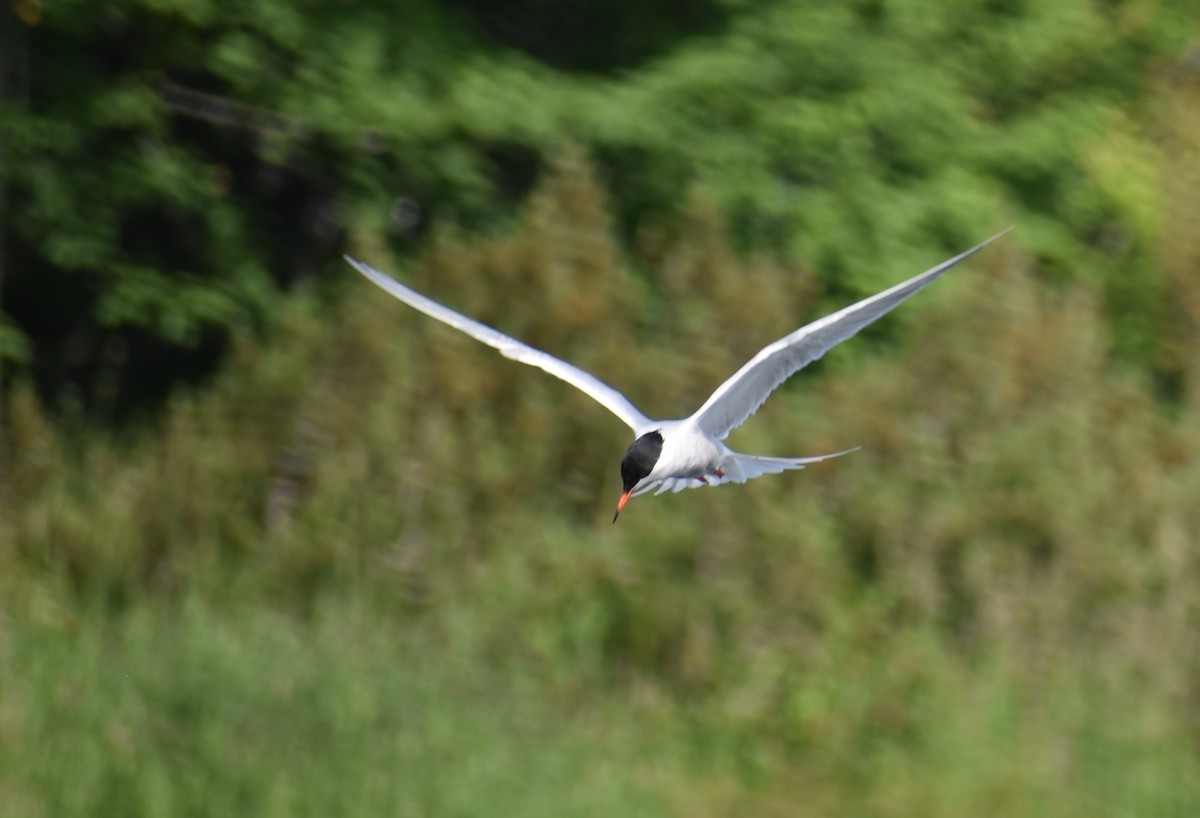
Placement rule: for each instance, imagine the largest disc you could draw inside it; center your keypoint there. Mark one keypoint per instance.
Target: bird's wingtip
(362, 267)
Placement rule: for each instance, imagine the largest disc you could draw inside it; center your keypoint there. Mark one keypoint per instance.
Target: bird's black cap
(640, 458)
(638, 462)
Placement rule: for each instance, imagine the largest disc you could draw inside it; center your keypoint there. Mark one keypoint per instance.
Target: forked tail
(738, 468)
(742, 467)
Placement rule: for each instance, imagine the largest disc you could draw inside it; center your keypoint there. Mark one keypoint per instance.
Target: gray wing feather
(741, 396)
(602, 393)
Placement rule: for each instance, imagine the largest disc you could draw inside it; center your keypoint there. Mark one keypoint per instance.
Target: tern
(673, 455)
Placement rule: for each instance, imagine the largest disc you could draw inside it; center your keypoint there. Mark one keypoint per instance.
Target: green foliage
(14, 346)
(371, 568)
(176, 159)
(368, 568)
(190, 711)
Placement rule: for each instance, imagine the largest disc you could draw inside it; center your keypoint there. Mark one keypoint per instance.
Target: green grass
(187, 710)
(191, 711)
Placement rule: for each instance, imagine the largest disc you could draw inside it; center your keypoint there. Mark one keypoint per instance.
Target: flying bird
(673, 455)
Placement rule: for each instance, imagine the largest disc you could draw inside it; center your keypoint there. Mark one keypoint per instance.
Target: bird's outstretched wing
(740, 396)
(602, 393)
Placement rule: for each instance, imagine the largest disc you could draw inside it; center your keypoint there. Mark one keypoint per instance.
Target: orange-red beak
(621, 504)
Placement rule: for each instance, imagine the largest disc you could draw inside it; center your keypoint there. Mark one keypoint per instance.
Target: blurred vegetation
(272, 544)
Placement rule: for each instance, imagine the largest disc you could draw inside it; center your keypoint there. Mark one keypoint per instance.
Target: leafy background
(272, 544)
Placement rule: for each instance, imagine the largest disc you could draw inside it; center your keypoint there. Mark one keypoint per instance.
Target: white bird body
(687, 452)
(672, 455)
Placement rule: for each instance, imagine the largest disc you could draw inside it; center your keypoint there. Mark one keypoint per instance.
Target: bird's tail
(742, 467)
(737, 468)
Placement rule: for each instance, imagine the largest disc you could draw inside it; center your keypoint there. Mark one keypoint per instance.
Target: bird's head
(639, 460)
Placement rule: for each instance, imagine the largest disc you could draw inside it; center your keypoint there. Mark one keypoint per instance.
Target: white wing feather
(740, 396)
(602, 393)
